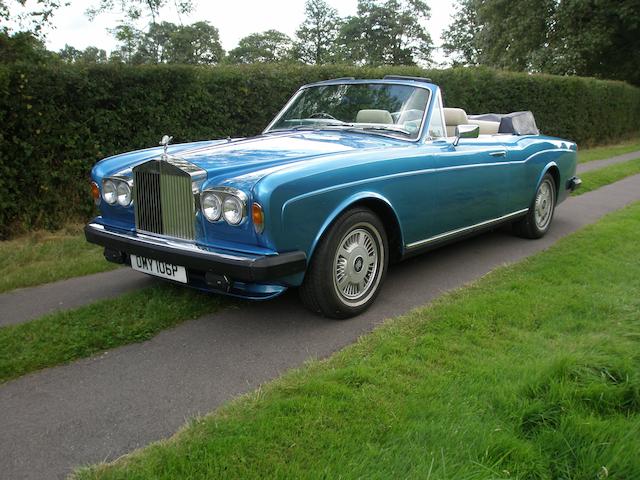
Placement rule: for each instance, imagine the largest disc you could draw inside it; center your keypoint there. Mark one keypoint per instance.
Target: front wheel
(536, 222)
(348, 268)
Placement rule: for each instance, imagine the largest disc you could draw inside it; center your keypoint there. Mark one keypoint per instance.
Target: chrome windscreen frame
(419, 137)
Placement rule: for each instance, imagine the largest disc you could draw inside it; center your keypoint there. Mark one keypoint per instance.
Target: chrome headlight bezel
(233, 210)
(230, 196)
(123, 194)
(117, 191)
(109, 191)
(211, 206)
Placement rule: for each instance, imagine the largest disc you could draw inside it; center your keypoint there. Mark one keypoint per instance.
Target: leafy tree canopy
(31, 16)
(137, 9)
(317, 35)
(165, 42)
(23, 47)
(266, 47)
(584, 37)
(387, 32)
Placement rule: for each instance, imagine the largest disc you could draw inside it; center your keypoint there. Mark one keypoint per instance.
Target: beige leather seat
(457, 116)
(454, 117)
(374, 116)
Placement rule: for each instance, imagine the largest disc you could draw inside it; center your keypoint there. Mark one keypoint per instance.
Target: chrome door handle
(501, 153)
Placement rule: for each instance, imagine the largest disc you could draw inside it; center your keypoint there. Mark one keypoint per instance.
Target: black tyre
(348, 268)
(536, 222)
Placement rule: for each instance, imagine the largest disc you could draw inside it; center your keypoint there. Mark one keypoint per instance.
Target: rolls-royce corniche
(350, 177)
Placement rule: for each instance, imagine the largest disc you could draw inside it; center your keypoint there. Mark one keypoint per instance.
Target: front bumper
(231, 265)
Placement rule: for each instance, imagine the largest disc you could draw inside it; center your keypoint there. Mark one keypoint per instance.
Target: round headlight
(109, 192)
(124, 194)
(233, 210)
(211, 206)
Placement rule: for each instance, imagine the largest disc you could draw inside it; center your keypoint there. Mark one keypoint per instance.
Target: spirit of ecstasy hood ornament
(166, 140)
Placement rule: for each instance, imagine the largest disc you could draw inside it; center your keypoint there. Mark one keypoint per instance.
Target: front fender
(350, 201)
(305, 219)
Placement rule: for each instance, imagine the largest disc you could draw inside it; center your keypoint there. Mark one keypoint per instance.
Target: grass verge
(600, 153)
(532, 372)
(68, 335)
(42, 257)
(595, 179)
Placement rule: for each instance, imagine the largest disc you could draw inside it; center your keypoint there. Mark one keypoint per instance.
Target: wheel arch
(551, 168)
(378, 205)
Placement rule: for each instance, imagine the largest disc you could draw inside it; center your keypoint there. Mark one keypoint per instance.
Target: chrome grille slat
(164, 200)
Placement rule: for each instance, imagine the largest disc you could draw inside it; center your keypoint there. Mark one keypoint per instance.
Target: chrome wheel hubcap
(357, 264)
(544, 205)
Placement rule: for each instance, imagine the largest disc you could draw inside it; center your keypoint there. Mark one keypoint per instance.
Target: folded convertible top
(516, 123)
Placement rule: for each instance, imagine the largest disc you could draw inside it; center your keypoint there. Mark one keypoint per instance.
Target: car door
(471, 183)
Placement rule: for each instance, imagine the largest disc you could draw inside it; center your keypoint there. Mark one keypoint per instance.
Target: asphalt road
(596, 164)
(102, 407)
(24, 304)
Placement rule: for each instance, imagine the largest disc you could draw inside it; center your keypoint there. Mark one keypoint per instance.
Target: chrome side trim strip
(452, 233)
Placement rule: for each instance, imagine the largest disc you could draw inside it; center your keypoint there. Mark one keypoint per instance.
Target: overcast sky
(234, 18)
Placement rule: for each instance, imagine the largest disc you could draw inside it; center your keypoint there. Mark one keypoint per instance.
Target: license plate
(159, 268)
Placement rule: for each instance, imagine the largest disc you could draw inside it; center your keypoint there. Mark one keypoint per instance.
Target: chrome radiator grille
(164, 201)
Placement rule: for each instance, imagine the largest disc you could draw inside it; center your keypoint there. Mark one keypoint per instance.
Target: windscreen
(390, 109)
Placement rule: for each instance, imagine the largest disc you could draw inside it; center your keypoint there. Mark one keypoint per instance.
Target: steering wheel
(322, 115)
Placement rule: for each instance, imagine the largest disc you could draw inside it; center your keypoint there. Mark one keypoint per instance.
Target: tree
(460, 39)
(92, 55)
(584, 37)
(31, 19)
(23, 47)
(317, 34)
(130, 41)
(70, 54)
(598, 38)
(156, 44)
(198, 43)
(387, 32)
(266, 47)
(137, 9)
(166, 42)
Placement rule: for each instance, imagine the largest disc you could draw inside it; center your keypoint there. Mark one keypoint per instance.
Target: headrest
(374, 116)
(455, 116)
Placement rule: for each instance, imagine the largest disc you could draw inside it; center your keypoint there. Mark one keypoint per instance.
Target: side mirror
(466, 131)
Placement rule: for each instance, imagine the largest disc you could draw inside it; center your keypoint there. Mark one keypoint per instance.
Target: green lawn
(600, 153)
(42, 257)
(532, 372)
(595, 179)
(68, 335)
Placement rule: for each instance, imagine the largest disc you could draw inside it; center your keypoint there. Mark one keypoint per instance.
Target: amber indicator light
(257, 216)
(95, 192)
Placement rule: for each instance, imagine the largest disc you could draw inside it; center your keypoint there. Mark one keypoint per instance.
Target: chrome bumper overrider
(574, 183)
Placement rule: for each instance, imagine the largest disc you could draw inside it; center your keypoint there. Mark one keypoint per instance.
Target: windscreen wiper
(316, 126)
(381, 128)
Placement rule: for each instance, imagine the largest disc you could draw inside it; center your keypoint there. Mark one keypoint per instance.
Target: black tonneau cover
(516, 123)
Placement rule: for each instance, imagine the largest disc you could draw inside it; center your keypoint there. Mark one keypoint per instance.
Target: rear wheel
(348, 268)
(536, 222)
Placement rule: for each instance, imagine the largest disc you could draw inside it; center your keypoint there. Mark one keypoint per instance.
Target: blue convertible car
(349, 177)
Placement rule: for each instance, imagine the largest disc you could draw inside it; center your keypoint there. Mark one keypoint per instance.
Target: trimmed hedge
(58, 121)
